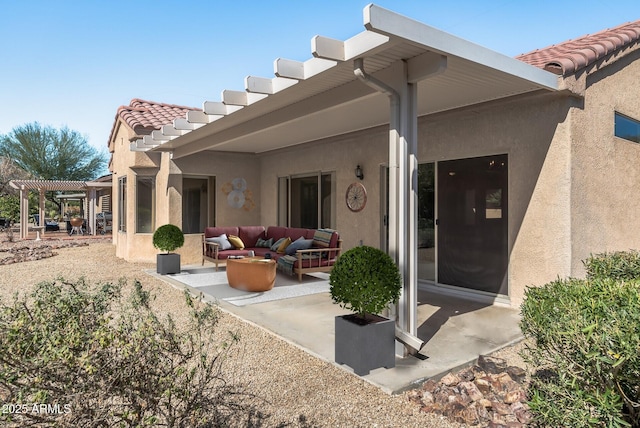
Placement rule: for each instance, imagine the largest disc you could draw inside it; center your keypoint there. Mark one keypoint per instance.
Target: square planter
(167, 263)
(365, 347)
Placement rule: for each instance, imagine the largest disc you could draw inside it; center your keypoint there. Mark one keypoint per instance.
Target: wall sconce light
(359, 173)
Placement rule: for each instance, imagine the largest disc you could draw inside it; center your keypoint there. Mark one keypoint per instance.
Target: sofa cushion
(264, 243)
(277, 232)
(222, 241)
(250, 235)
(283, 246)
(236, 242)
(299, 244)
(210, 232)
(295, 233)
(277, 244)
(225, 254)
(322, 238)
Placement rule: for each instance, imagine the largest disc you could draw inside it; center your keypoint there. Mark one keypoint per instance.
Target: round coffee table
(251, 273)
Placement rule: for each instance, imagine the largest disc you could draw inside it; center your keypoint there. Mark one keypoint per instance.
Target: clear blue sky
(73, 63)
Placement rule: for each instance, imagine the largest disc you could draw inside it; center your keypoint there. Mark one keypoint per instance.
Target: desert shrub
(93, 358)
(585, 345)
(622, 265)
(365, 280)
(168, 238)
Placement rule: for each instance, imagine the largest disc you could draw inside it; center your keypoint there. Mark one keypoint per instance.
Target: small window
(122, 204)
(627, 128)
(145, 204)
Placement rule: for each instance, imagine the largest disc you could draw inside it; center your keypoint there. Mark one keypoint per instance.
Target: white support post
(24, 212)
(91, 221)
(41, 209)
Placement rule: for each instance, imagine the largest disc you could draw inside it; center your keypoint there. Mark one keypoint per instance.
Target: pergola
(24, 186)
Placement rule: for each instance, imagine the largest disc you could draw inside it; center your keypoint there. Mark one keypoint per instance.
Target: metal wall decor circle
(356, 197)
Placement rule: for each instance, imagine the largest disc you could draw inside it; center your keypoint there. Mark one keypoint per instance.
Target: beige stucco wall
(532, 131)
(340, 155)
(168, 195)
(125, 163)
(605, 169)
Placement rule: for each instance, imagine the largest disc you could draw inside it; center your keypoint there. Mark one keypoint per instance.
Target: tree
(9, 200)
(52, 154)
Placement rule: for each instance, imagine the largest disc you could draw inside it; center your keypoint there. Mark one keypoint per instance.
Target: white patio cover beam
(182, 124)
(218, 108)
(267, 86)
(396, 26)
(240, 98)
(196, 116)
(338, 50)
(139, 146)
(148, 141)
(159, 136)
(301, 70)
(171, 131)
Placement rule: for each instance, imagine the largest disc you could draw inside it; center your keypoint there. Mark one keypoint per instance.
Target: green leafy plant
(365, 280)
(168, 238)
(585, 337)
(101, 360)
(620, 265)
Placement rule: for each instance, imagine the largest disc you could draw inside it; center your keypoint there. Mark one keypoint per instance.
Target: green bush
(622, 265)
(585, 344)
(365, 280)
(97, 359)
(168, 238)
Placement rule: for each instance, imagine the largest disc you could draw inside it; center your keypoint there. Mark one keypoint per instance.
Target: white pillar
(91, 205)
(41, 209)
(24, 212)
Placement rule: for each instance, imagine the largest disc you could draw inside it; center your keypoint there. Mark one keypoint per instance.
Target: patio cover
(89, 187)
(405, 69)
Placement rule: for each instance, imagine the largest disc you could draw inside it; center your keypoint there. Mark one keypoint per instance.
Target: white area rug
(214, 284)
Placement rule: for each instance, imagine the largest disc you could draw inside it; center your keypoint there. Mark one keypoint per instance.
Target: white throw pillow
(222, 241)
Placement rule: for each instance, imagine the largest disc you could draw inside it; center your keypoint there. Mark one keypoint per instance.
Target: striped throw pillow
(322, 238)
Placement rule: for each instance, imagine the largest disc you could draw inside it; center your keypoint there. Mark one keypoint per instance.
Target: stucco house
(484, 174)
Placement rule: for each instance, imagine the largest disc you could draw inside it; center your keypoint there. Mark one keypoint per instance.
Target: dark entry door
(472, 223)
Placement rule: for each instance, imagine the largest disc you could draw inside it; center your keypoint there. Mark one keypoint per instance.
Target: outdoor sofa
(295, 250)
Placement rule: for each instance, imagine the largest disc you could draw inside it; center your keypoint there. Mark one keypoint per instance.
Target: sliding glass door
(307, 201)
(472, 223)
(198, 204)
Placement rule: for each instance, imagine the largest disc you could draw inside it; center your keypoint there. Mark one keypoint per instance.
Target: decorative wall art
(238, 196)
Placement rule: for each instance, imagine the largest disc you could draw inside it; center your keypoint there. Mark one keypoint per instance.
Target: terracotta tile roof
(145, 116)
(568, 57)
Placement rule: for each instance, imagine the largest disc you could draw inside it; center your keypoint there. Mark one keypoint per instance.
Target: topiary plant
(168, 238)
(365, 280)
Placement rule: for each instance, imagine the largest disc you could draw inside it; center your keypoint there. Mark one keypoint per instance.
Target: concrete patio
(455, 331)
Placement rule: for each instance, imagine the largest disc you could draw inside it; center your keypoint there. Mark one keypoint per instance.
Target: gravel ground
(297, 388)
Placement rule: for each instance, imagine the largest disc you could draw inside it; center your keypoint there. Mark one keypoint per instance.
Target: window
(145, 204)
(198, 204)
(122, 204)
(307, 201)
(627, 128)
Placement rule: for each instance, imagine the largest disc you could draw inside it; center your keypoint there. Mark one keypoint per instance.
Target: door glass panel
(472, 223)
(195, 205)
(304, 202)
(426, 216)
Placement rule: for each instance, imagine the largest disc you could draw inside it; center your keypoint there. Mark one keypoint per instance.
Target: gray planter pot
(365, 347)
(168, 263)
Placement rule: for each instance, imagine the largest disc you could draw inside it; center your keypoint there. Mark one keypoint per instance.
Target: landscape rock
(489, 394)
(491, 365)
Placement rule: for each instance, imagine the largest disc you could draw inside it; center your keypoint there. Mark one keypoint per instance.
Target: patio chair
(49, 225)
